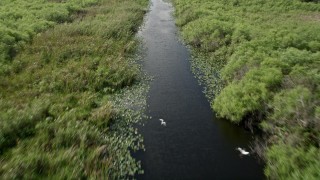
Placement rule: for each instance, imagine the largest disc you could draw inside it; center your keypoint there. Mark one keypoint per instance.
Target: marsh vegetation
(70, 89)
(66, 72)
(260, 61)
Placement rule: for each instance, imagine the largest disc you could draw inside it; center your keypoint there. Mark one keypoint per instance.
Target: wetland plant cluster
(260, 61)
(69, 88)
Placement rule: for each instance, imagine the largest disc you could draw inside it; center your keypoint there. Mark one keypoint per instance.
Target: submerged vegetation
(69, 92)
(260, 61)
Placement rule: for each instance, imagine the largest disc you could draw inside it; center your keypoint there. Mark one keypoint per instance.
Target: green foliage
(199, 37)
(260, 61)
(60, 110)
(22, 125)
(237, 100)
(248, 95)
(22, 20)
(287, 162)
(292, 105)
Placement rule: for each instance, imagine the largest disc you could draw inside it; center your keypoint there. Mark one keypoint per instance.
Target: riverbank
(260, 63)
(70, 89)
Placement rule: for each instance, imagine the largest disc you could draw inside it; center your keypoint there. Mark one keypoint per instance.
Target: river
(193, 144)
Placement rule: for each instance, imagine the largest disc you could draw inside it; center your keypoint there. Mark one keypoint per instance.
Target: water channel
(193, 144)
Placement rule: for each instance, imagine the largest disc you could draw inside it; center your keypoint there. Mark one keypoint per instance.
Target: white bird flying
(243, 151)
(162, 122)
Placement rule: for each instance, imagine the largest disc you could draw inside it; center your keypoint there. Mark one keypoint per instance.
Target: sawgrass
(63, 65)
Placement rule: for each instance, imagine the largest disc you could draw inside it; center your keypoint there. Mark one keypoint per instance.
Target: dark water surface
(193, 144)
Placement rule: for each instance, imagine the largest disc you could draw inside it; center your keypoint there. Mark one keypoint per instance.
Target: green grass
(260, 61)
(21, 20)
(64, 66)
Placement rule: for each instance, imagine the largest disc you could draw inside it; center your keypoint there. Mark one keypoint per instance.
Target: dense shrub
(265, 55)
(285, 161)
